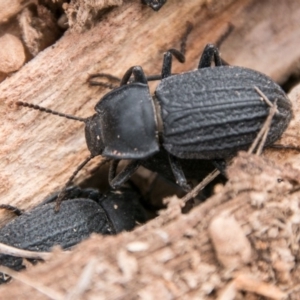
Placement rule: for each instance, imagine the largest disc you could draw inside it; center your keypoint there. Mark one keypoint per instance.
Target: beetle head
(93, 135)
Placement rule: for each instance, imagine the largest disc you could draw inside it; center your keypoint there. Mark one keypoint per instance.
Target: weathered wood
(174, 256)
(39, 151)
(245, 238)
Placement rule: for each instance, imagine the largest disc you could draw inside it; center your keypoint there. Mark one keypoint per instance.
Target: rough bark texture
(174, 255)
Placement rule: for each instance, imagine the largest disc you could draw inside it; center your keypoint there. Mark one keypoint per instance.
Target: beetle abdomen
(214, 112)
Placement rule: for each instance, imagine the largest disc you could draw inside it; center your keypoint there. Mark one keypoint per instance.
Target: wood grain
(39, 152)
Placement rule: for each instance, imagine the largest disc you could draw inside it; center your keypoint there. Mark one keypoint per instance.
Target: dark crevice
(291, 82)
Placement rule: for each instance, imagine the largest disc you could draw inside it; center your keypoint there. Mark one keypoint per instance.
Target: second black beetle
(85, 212)
(209, 113)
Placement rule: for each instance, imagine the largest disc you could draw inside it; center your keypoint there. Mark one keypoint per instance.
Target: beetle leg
(111, 78)
(138, 75)
(113, 169)
(108, 77)
(167, 61)
(178, 173)
(115, 181)
(167, 65)
(209, 54)
(221, 165)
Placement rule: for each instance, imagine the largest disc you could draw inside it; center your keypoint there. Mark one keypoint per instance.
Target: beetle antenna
(50, 111)
(70, 180)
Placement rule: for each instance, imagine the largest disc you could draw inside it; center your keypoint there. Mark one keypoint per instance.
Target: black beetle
(42, 228)
(209, 113)
(154, 4)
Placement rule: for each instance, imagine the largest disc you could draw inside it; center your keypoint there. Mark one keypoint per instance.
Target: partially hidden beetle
(209, 114)
(84, 212)
(154, 4)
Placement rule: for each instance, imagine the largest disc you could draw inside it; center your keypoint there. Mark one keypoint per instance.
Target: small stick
(83, 282)
(267, 126)
(13, 251)
(264, 97)
(244, 282)
(195, 191)
(262, 135)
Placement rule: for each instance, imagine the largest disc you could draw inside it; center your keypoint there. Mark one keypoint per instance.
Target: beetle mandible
(209, 113)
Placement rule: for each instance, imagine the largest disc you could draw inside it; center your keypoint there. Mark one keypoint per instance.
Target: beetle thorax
(128, 122)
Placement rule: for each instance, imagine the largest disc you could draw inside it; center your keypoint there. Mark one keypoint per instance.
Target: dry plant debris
(82, 14)
(39, 29)
(12, 53)
(243, 243)
(10, 8)
(26, 28)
